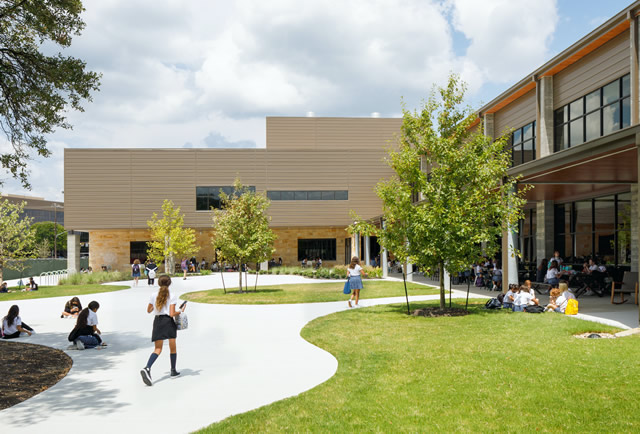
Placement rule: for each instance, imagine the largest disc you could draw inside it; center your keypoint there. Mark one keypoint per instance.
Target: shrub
(208, 272)
(95, 278)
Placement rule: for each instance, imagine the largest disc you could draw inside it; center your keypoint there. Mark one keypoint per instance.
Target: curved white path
(233, 358)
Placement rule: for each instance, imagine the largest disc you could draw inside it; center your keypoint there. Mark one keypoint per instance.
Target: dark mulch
(434, 312)
(29, 369)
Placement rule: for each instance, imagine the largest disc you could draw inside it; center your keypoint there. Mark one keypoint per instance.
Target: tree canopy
(37, 90)
(169, 238)
(466, 198)
(46, 231)
(241, 227)
(16, 236)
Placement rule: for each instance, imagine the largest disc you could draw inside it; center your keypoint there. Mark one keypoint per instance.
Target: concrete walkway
(233, 358)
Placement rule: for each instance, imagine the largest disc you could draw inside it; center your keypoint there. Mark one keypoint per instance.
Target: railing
(52, 277)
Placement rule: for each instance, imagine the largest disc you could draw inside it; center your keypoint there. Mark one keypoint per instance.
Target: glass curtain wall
(599, 227)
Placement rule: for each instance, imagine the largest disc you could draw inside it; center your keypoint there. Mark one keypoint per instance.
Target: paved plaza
(233, 358)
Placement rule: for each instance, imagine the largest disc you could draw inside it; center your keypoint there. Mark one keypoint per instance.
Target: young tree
(169, 237)
(38, 90)
(43, 249)
(466, 195)
(241, 228)
(16, 236)
(47, 231)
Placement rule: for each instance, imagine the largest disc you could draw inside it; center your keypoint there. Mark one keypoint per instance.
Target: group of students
(150, 269)
(30, 286)
(518, 297)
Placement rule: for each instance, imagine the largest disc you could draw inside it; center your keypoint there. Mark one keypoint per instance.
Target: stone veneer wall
(112, 247)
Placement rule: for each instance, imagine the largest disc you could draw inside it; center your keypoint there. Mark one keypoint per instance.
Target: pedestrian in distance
(152, 269)
(163, 305)
(354, 274)
(135, 271)
(183, 267)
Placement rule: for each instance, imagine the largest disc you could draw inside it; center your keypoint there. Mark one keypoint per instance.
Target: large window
(323, 248)
(208, 197)
(527, 236)
(138, 250)
(596, 114)
(523, 144)
(595, 227)
(308, 195)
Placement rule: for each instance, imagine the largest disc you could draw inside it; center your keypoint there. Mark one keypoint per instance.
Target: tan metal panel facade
(121, 188)
(517, 114)
(596, 69)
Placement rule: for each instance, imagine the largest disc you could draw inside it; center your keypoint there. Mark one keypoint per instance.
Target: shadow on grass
(251, 291)
(474, 308)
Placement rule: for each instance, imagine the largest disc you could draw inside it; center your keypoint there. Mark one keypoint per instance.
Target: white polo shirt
(165, 309)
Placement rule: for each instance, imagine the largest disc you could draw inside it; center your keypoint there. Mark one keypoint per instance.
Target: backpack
(494, 303)
(136, 268)
(572, 307)
(534, 309)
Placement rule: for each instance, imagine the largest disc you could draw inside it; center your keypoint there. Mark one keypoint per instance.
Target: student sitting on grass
(86, 333)
(72, 308)
(507, 301)
(4, 287)
(12, 325)
(553, 300)
(32, 285)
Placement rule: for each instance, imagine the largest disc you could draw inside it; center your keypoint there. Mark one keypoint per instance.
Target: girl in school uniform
(86, 333)
(354, 274)
(12, 325)
(163, 305)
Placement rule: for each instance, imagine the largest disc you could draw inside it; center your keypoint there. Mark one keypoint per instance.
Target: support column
(384, 262)
(367, 250)
(544, 111)
(73, 252)
(544, 230)
(409, 271)
(634, 43)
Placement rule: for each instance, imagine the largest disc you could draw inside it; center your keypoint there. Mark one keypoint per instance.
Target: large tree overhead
(37, 90)
(461, 177)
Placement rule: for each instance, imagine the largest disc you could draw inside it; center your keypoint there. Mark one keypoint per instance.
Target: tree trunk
(222, 276)
(406, 294)
(442, 299)
(240, 276)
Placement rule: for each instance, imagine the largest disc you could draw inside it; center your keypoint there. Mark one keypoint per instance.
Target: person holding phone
(163, 305)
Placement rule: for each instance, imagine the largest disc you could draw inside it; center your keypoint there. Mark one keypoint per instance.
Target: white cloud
(177, 72)
(509, 38)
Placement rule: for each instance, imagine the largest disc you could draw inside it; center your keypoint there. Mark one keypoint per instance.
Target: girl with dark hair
(12, 325)
(163, 305)
(72, 308)
(354, 274)
(86, 334)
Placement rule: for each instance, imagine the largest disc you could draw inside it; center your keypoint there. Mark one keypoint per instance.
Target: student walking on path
(163, 305)
(152, 269)
(354, 274)
(135, 271)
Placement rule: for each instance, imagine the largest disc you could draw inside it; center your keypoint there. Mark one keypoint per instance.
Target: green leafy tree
(466, 195)
(38, 90)
(169, 238)
(16, 236)
(52, 233)
(241, 228)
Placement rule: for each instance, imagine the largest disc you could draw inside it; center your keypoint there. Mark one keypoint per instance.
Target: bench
(629, 285)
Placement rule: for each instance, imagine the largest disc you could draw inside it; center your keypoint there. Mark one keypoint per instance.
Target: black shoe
(146, 376)
(174, 373)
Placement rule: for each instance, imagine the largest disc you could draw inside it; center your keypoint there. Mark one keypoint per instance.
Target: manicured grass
(307, 293)
(490, 371)
(61, 291)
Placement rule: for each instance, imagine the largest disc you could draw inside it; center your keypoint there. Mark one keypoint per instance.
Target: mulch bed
(29, 369)
(434, 312)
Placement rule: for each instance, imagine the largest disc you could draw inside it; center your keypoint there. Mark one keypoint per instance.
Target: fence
(35, 267)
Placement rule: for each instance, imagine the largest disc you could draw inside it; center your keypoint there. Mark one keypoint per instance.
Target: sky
(206, 73)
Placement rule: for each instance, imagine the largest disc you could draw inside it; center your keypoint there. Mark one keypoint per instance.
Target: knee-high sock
(152, 359)
(174, 358)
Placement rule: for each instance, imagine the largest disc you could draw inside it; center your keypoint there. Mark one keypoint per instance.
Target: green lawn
(61, 291)
(307, 293)
(490, 371)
